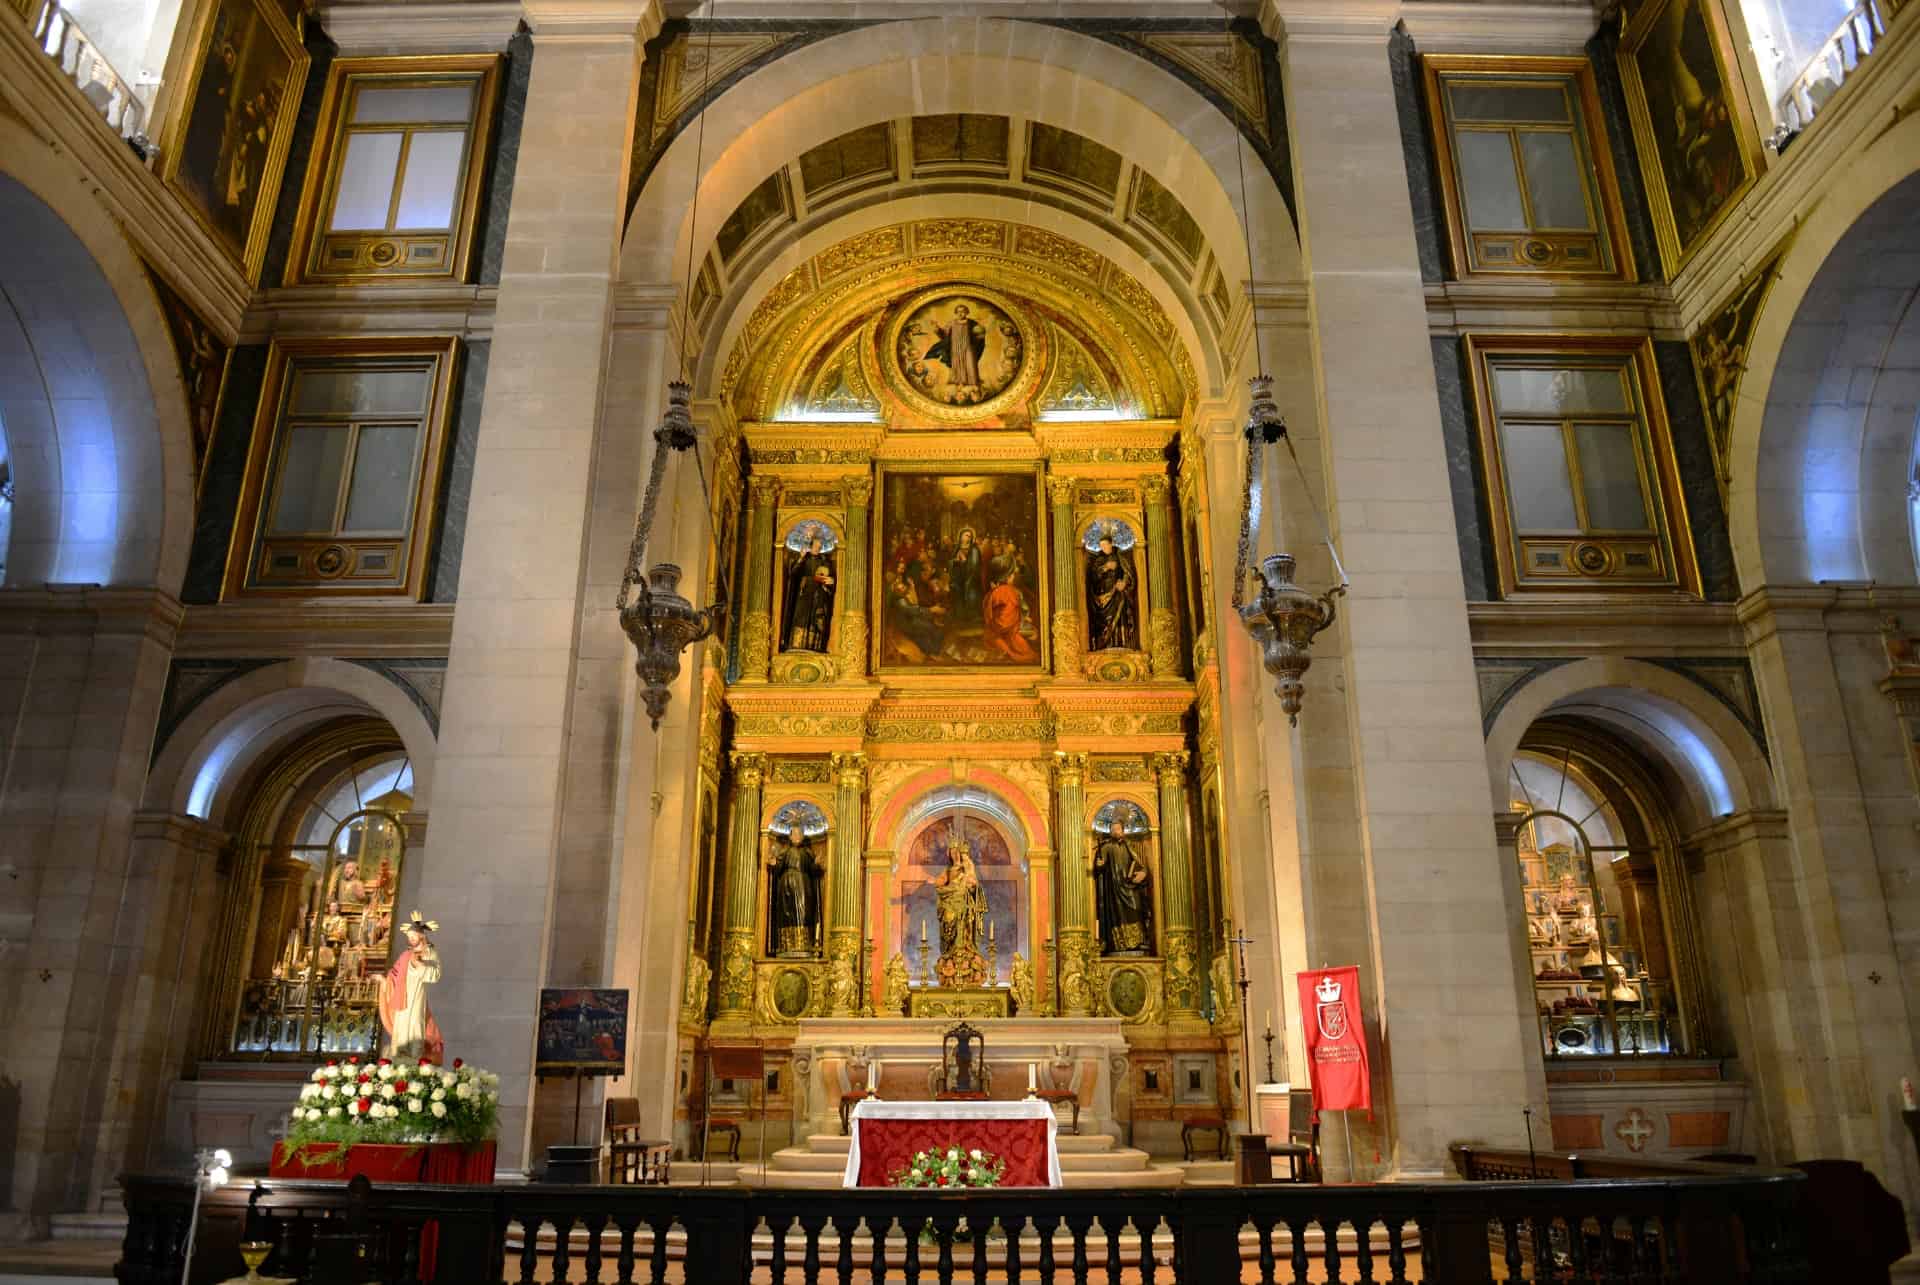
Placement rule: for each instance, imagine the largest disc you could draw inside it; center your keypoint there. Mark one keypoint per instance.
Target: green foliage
(395, 1101)
(953, 1165)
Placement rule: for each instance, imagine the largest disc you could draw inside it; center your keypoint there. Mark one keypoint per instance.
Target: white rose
(319, 1074)
(974, 1154)
(449, 1079)
(413, 1104)
(439, 1095)
(386, 1072)
(386, 1091)
(308, 1090)
(333, 1113)
(439, 1108)
(313, 1113)
(330, 1092)
(464, 1091)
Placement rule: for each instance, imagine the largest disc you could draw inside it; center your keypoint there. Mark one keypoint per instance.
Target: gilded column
(1066, 574)
(844, 874)
(1076, 942)
(1176, 889)
(1163, 627)
(756, 620)
(743, 888)
(853, 578)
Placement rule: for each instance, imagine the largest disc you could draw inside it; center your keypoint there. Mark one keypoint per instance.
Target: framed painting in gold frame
(1695, 137)
(225, 151)
(960, 586)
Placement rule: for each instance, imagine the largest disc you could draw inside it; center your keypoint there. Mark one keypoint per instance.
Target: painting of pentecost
(960, 578)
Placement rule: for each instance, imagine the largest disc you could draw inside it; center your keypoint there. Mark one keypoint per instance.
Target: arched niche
(995, 839)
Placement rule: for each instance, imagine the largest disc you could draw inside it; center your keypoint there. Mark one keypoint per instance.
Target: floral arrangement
(394, 1101)
(951, 1167)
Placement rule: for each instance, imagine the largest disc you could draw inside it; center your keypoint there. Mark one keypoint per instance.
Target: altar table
(886, 1134)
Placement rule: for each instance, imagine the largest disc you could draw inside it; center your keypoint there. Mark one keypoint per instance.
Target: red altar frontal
(464, 1164)
(886, 1134)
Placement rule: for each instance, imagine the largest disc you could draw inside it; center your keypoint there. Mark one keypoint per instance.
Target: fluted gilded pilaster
(844, 874)
(1163, 626)
(1066, 574)
(853, 578)
(1176, 889)
(756, 620)
(1076, 939)
(743, 888)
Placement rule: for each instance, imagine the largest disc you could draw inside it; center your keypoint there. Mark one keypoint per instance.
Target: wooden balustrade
(1733, 1226)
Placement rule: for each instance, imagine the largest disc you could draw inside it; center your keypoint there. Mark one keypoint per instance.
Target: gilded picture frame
(225, 152)
(900, 651)
(1698, 148)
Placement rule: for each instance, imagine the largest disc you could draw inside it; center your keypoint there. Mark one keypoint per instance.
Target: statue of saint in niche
(794, 912)
(1120, 879)
(807, 602)
(1113, 608)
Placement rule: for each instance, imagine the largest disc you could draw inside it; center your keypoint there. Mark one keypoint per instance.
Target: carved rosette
(1163, 640)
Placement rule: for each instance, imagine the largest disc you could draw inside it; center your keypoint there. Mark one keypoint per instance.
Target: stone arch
(1823, 430)
(890, 811)
(1714, 763)
(96, 418)
(202, 764)
(931, 66)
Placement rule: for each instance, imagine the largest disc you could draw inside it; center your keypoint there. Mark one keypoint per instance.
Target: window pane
(309, 478)
(1554, 180)
(1537, 481)
(428, 191)
(1610, 477)
(411, 104)
(382, 479)
(1492, 186)
(347, 391)
(366, 183)
(1556, 391)
(1530, 104)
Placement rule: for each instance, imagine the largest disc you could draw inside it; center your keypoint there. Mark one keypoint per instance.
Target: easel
(574, 1163)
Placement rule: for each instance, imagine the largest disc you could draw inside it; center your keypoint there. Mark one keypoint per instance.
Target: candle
(1033, 1081)
(873, 1076)
(923, 932)
(1269, 1021)
(1907, 1098)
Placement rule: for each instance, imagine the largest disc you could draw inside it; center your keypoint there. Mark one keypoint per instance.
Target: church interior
(1072, 523)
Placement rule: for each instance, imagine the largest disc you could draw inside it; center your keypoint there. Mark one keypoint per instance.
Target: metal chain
(1249, 521)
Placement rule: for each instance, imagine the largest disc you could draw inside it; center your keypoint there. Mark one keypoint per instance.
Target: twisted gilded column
(844, 875)
(1066, 575)
(756, 618)
(1076, 940)
(1176, 889)
(1163, 627)
(743, 888)
(853, 578)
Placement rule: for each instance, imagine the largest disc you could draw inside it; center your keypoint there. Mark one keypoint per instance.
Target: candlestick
(1033, 1079)
(873, 1078)
(1907, 1096)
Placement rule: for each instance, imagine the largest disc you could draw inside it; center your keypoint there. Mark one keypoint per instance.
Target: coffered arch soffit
(821, 330)
(767, 118)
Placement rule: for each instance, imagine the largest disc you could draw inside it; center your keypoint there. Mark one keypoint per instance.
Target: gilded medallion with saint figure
(959, 354)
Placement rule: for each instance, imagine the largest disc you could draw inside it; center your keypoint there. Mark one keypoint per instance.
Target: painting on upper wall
(959, 354)
(1691, 127)
(224, 154)
(960, 585)
(1720, 358)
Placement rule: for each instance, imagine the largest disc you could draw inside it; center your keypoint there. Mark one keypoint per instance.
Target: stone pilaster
(853, 578)
(756, 618)
(843, 875)
(1066, 574)
(1076, 939)
(1177, 938)
(743, 890)
(1163, 626)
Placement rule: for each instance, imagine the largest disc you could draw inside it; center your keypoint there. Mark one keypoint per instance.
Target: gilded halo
(958, 354)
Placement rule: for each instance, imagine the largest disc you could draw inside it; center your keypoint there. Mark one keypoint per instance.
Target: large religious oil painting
(1697, 145)
(960, 583)
(225, 152)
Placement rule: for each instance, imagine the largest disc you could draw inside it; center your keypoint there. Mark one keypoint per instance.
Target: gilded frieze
(959, 234)
(858, 251)
(1108, 771)
(814, 771)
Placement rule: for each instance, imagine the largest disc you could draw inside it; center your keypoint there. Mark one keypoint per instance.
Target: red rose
(456, 1064)
(399, 1086)
(364, 1077)
(384, 1062)
(333, 1063)
(941, 1181)
(353, 1061)
(426, 1061)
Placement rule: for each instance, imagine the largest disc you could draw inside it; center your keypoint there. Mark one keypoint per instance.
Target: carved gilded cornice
(1089, 450)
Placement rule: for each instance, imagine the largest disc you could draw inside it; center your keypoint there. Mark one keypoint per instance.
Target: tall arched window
(1593, 846)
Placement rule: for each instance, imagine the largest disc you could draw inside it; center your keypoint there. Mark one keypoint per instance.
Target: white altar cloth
(875, 1109)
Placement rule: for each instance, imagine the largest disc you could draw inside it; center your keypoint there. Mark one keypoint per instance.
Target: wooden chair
(737, 1062)
(1201, 1124)
(1054, 1097)
(632, 1159)
(1301, 1147)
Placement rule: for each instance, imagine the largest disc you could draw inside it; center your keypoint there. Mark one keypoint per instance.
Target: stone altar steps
(1086, 1161)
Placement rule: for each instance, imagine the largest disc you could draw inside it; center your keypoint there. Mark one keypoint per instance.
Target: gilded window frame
(322, 180)
(247, 543)
(1660, 474)
(1577, 74)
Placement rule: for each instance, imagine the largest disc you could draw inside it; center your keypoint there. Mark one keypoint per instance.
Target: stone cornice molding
(594, 21)
(1451, 26)
(1730, 832)
(90, 610)
(161, 228)
(1831, 607)
(1334, 22)
(179, 829)
(638, 306)
(284, 628)
(1456, 307)
(1653, 625)
(449, 309)
(484, 26)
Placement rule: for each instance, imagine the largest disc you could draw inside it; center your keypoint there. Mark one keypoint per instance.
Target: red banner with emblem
(1336, 1044)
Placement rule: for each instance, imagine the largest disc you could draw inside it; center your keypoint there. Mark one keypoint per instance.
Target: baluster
(1113, 1225)
(810, 1225)
(1330, 1251)
(562, 1246)
(911, 1227)
(980, 1227)
(1363, 1247)
(945, 1228)
(1048, 1225)
(1263, 1228)
(595, 1224)
(778, 1225)
(1397, 1252)
(878, 1229)
(1510, 1242)
(410, 1252)
(1014, 1230)
(629, 1226)
(843, 1228)
(1080, 1227)
(658, 1229)
(1541, 1238)
(1577, 1244)
(1297, 1229)
(1148, 1267)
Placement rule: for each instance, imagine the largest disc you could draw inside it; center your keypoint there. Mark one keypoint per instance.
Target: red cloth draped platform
(453, 1163)
(886, 1134)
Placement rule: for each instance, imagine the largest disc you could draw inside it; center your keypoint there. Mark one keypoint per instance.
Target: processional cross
(1241, 940)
